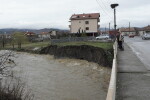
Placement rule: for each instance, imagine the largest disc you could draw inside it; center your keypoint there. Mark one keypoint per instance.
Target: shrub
(11, 88)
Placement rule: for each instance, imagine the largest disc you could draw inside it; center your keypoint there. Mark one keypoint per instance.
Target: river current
(62, 79)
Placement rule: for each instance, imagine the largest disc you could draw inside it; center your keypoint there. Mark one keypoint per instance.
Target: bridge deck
(133, 79)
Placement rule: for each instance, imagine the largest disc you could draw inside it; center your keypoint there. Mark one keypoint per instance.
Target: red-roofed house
(127, 31)
(30, 34)
(84, 23)
(147, 29)
(44, 35)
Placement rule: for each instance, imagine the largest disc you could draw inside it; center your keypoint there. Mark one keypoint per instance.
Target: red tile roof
(147, 28)
(29, 33)
(131, 29)
(111, 32)
(85, 16)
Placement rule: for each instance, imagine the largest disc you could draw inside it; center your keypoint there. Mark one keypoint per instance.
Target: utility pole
(113, 6)
(115, 19)
(109, 28)
(129, 28)
(3, 41)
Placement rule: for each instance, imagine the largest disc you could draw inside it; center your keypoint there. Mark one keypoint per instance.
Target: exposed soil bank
(85, 52)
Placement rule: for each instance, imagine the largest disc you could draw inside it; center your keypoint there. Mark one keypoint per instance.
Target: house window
(87, 28)
(86, 22)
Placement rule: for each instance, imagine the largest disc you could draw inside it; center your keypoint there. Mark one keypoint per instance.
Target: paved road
(141, 49)
(133, 78)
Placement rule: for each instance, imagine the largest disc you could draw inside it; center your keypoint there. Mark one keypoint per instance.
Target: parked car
(131, 35)
(146, 36)
(103, 36)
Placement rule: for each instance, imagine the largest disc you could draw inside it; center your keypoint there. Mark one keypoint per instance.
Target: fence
(71, 39)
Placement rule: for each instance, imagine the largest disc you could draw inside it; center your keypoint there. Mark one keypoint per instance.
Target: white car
(146, 36)
(103, 36)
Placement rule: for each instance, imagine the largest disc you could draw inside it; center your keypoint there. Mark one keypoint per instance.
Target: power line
(106, 7)
(108, 1)
(103, 9)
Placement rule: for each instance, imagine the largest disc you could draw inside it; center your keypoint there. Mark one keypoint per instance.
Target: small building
(6, 36)
(140, 31)
(147, 29)
(85, 23)
(29, 34)
(127, 31)
(48, 35)
(44, 35)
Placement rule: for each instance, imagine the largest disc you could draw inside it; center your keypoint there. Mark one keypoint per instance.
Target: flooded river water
(62, 79)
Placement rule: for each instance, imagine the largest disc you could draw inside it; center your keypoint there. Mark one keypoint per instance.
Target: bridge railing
(111, 94)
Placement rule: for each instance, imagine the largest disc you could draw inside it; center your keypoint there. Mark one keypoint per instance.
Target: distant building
(140, 31)
(147, 29)
(29, 34)
(47, 35)
(87, 23)
(127, 31)
(6, 36)
(53, 33)
(44, 35)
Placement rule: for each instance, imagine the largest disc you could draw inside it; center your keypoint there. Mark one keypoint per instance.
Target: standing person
(120, 40)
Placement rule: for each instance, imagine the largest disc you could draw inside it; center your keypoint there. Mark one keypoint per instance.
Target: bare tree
(6, 63)
(11, 88)
(19, 38)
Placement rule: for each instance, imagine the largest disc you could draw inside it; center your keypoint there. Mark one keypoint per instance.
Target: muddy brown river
(62, 79)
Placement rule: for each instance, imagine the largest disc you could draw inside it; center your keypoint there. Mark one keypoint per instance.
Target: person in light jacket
(120, 40)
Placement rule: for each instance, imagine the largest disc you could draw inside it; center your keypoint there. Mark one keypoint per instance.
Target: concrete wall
(111, 94)
(80, 24)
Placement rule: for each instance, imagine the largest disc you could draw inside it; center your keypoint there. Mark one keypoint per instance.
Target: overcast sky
(56, 13)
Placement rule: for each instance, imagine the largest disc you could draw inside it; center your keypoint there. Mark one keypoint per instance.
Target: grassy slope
(95, 44)
(44, 44)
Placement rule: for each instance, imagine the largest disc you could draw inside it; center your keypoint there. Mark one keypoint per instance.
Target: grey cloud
(56, 13)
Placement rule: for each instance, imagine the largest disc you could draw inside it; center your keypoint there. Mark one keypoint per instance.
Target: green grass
(38, 44)
(28, 45)
(95, 44)
(44, 44)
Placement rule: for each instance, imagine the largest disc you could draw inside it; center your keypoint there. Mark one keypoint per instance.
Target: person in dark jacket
(120, 40)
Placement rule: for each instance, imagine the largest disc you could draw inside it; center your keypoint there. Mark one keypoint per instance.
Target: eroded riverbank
(98, 55)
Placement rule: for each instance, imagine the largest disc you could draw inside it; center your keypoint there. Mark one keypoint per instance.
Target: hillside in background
(103, 29)
(37, 31)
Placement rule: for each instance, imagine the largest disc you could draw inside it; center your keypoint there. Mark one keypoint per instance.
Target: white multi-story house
(87, 23)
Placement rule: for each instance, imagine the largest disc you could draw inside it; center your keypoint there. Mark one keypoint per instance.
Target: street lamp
(113, 6)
